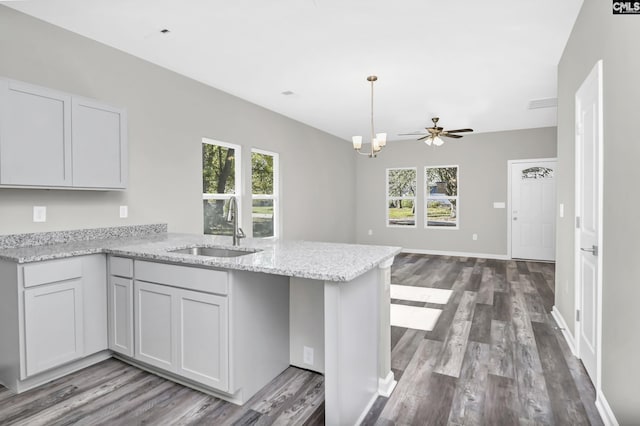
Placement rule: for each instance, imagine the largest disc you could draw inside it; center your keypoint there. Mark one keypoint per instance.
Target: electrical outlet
(124, 212)
(307, 356)
(39, 213)
(474, 237)
(370, 232)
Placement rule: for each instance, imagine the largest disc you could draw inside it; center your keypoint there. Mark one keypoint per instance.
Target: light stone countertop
(304, 259)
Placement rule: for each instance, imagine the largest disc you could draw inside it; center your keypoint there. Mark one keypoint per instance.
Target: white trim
(510, 164)
(608, 418)
(597, 381)
(568, 337)
(388, 198)
(366, 409)
(386, 385)
(456, 254)
(426, 197)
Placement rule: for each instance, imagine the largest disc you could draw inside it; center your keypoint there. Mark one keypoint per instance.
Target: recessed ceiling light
(164, 31)
(288, 93)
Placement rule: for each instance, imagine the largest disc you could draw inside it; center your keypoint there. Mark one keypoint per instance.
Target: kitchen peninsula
(159, 295)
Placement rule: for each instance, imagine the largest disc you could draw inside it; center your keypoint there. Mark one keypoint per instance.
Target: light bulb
(382, 139)
(437, 141)
(357, 142)
(376, 145)
(428, 140)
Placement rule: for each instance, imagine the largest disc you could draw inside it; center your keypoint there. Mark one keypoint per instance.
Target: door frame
(576, 233)
(510, 164)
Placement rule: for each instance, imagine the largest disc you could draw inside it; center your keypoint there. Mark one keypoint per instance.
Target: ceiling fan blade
(412, 134)
(424, 137)
(459, 130)
(447, 135)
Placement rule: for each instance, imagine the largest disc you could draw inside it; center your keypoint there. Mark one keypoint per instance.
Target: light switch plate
(561, 210)
(39, 213)
(124, 212)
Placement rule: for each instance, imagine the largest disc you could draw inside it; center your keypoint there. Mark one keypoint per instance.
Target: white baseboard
(366, 410)
(608, 418)
(457, 254)
(568, 337)
(386, 385)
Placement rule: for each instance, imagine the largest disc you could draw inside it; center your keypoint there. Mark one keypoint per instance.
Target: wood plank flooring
(495, 357)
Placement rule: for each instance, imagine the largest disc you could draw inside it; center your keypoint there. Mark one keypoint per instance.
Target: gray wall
(598, 34)
(483, 174)
(168, 116)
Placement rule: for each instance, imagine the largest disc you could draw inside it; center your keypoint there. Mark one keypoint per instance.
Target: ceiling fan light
(382, 139)
(428, 140)
(357, 142)
(437, 141)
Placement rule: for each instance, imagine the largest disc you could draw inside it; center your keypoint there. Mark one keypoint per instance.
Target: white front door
(588, 204)
(533, 198)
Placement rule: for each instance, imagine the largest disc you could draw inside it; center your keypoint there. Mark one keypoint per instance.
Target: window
(401, 197)
(264, 193)
(220, 182)
(441, 187)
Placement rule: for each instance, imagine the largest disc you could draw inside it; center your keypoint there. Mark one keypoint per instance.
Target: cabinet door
(121, 315)
(155, 325)
(203, 353)
(35, 135)
(99, 145)
(53, 321)
(94, 292)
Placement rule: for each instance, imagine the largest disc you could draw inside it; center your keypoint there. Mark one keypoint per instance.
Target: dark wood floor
(495, 357)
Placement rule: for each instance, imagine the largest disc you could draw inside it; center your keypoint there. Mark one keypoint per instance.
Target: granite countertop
(304, 259)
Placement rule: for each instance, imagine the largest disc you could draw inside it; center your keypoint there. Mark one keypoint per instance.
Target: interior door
(533, 198)
(588, 203)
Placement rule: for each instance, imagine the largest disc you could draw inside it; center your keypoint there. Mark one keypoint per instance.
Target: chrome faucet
(232, 215)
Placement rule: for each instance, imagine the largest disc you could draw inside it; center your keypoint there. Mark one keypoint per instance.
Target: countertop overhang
(304, 259)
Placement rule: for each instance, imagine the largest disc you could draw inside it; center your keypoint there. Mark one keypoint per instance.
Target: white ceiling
(474, 63)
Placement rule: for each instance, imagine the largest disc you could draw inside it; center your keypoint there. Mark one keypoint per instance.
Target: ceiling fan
(433, 133)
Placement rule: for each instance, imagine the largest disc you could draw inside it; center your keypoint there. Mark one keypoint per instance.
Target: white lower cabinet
(53, 318)
(53, 325)
(184, 332)
(121, 315)
(203, 338)
(155, 325)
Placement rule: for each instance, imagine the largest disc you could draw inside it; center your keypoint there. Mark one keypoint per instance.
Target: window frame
(456, 198)
(276, 192)
(389, 198)
(237, 170)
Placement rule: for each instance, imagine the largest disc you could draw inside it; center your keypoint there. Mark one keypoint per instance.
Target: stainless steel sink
(213, 251)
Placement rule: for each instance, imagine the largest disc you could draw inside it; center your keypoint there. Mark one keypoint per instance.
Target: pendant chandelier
(378, 141)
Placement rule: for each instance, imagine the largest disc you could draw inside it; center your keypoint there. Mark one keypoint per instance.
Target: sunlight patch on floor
(420, 294)
(414, 317)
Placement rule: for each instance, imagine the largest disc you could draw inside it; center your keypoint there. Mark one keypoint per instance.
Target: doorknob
(515, 218)
(593, 250)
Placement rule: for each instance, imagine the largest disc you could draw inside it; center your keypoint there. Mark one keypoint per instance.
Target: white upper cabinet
(99, 145)
(35, 135)
(53, 139)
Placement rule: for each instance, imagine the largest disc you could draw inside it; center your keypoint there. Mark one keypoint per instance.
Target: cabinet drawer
(52, 271)
(206, 280)
(121, 266)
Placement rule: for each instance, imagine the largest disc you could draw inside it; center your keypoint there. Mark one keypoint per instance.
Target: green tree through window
(218, 184)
